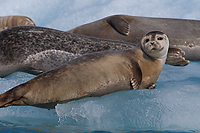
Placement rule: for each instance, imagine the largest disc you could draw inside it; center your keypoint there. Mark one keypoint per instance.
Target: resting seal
(183, 34)
(11, 21)
(23, 46)
(94, 74)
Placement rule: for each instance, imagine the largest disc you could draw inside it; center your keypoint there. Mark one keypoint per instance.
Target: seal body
(24, 48)
(94, 74)
(182, 33)
(11, 21)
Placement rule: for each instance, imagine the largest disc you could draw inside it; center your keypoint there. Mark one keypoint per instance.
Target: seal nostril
(152, 43)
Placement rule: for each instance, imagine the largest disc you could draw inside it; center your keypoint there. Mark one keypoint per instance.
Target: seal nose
(152, 43)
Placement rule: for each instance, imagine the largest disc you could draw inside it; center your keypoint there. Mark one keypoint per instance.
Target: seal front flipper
(134, 84)
(151, 86)
(119, 24)
(137, 76)
(175, 57)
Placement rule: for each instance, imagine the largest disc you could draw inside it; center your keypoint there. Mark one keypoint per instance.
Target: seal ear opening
(119, 24)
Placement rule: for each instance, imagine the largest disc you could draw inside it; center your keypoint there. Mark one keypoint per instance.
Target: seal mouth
(153, 49)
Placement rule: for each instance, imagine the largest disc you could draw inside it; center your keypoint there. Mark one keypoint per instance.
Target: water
(173, 106)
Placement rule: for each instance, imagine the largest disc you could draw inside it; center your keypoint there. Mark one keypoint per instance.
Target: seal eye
(159, 38)
(147, 40)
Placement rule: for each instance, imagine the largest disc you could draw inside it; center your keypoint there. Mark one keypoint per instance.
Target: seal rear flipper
(13, 96)
(175, 57)
(29, 22)
(119, 24)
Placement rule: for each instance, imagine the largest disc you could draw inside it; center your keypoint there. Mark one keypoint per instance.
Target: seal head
(155, 47)
(154, 44)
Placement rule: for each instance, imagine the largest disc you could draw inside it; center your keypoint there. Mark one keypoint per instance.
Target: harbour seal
(183, 34)
(94, 74)
(11, 21)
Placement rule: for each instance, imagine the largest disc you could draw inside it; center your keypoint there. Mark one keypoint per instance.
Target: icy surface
(174, 104)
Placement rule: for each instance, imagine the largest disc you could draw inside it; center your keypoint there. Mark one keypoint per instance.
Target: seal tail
(13, 96)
